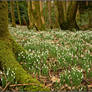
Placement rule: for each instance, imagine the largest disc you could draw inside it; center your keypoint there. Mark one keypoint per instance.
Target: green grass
(63, 54)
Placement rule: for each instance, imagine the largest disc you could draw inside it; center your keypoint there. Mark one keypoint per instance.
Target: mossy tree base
(8, 61)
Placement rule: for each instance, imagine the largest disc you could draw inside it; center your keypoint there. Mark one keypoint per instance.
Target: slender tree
(9, 49)
(18, 11)
(41, 12)
(12, 13)
(49, 12)
(56, 15)
(30, 14)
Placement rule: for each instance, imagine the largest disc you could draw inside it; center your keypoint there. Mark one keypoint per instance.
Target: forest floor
(62, 60)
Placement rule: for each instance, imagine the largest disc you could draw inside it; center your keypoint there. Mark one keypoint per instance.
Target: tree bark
(9, 49)
(18, 11)
(12, 13)
(49, 12)
(41, 11)
(30, 14)
(90, 13)
(56, 15)
(37, 22)
(67, 15)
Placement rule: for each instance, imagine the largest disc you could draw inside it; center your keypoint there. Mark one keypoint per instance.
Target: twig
(89, 86)
(1, 88)
(6, 87)
(14, 85)
(13, 90)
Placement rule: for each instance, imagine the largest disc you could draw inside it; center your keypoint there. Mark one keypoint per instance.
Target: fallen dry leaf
(89, 86)
(55, 79)
(49, 85)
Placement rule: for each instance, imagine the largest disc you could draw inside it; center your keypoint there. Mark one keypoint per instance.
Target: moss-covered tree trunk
(8, 50)
(67, 14)
(18, 11)
(12, 13)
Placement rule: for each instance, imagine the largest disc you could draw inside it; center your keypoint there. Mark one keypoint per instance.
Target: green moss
(3, 19)
(16, 47)
(8, 61)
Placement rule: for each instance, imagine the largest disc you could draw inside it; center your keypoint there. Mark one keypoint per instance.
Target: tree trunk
(30, 14)
(56, 15)
(67, 15)
(37, 15)
(90, 13)
(49, 12)
(18, 11)
(41, 11)
(8, 50)
(90, 18)
(12, 13)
